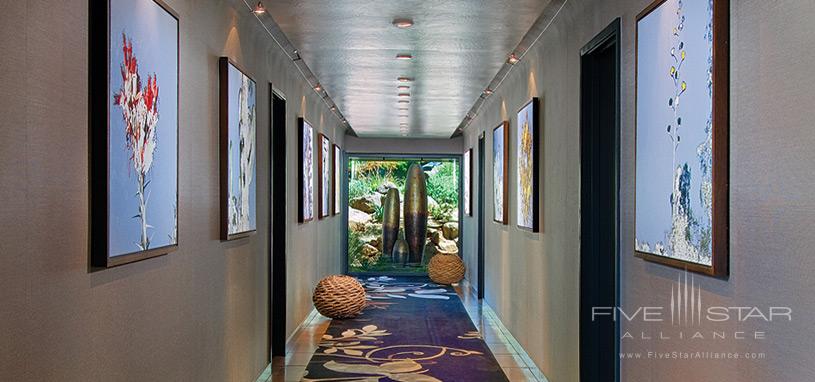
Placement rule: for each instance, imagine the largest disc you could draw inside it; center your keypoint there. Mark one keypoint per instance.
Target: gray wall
(403, 146)
(198, 314)
(532, 279)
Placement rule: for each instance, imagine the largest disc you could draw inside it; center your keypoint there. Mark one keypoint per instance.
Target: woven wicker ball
(339, 297)
(445, 269)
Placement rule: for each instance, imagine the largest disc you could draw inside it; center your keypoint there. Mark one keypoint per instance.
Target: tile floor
(510, 355)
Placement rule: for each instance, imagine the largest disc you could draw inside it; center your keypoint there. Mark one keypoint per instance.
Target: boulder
(432, 224)
(429, 252)
(385, 186)
(448, 247)
(450, 230)
(367, 203)
(437, 237)
(370, 253)
(454, 215)
(357, 220)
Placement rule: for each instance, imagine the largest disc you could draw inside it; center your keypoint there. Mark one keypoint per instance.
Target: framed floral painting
(134, 98)
(500, 167)
(238, 151)
(324, 177)
(305, 177)
(526, 145)
(682, 135)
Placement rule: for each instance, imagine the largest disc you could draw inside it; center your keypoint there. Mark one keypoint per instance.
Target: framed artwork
(133, 118)
(526, 145)
(500, 167)
(305, 178)
(467, 182)
(337, 160)
(238, 151)
(324, 176)
(682, 135)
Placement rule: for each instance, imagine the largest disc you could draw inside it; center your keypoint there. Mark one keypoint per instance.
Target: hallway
(606, 190)
(507, 352)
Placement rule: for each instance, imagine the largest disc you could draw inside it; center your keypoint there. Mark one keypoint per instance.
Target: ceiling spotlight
(259, 9)
(487, 91)
(403, 101)
(403, 109)
(403, 23)
(318, 88)
(404, 79)
(404, 56)
(513, 59)
(333, 108)
(404, 94)
(403, 87)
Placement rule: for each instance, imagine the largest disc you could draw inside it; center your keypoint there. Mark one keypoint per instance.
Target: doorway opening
(370, 178)
(599, 203)
(277, 215)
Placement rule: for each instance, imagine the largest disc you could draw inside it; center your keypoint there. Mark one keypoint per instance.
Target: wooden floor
(510, 355)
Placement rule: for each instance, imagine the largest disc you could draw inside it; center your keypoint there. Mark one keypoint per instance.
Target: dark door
(599, 168)
(277, 203)
(481, 215)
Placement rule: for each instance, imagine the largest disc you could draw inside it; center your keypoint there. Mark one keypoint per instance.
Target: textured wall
(198, 314)
(532, 279)
(403, 146)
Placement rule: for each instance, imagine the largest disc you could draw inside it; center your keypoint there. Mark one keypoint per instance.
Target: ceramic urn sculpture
(390, 221)
(400, 252)
(415, 212)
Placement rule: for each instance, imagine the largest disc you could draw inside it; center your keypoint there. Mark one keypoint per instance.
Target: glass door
(381, 241)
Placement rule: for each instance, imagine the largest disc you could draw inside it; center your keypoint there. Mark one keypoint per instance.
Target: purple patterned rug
(412, 331)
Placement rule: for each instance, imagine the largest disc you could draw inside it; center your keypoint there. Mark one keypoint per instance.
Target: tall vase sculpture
(415, 212)
(390, 221)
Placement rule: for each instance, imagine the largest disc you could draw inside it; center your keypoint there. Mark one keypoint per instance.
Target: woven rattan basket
(445, 269)
(339, 297)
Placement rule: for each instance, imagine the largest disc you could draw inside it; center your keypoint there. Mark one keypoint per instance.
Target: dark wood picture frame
(321, 177)
(721, 145)
(302, 124)
(99, 137)
(467, 169)
(223, 121)
(535, 163)
(505, 163)
(336, 163)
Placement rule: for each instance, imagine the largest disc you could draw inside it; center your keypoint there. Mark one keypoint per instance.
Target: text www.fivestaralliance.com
(693, 355)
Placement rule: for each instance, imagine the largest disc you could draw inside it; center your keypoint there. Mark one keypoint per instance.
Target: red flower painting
(140, 113)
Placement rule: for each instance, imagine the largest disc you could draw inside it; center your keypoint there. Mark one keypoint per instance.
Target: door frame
(480, 283)
(384, 156)
(609, 35)
(277, 223)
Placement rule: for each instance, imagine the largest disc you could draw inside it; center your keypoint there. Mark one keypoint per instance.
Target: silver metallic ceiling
(458, 46)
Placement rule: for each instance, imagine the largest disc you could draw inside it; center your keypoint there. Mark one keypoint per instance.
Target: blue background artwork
(154, 36)
(235, 80)
(498, 172)
(654, 176)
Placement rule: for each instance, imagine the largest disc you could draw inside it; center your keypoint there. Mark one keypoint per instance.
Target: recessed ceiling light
(403, 101)
(318, 88)
(403, 109)
(333, 108)
(403, 23)
(403, 87)
(404, 94)
(404, 56)
(259, 9)
(513, 59)
(404, 79)
(487, 91)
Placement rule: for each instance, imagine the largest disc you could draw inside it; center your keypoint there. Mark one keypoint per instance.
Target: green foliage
(357, 188)
(442, 213)
(354, 249)
(442, 184)
(379, 212)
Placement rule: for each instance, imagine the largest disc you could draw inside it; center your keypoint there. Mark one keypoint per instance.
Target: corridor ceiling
(457, 46)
